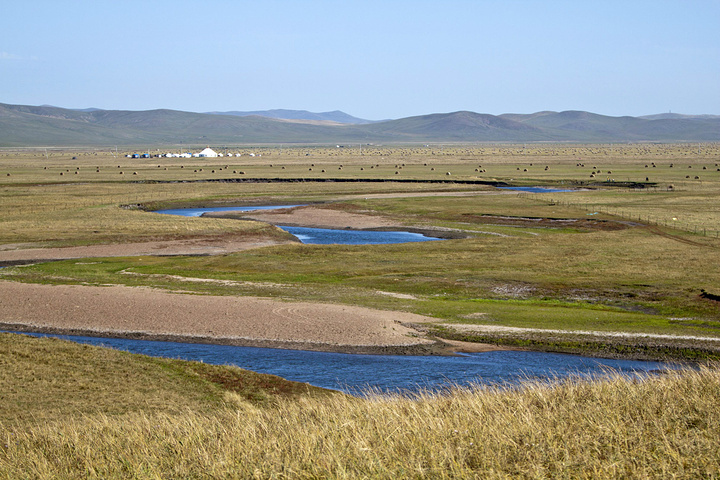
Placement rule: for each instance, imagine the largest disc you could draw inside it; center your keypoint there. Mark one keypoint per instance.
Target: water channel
(354, 373)
(386, 373)
(317, 236)
(535, 189)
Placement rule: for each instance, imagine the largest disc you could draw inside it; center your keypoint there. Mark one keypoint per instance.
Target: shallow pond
(385, 373)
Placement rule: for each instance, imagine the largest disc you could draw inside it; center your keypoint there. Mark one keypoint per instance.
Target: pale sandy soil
(147, 313)
(311, 216)
(594, 333)
(319, 217)
(150, 313)
(193, 246)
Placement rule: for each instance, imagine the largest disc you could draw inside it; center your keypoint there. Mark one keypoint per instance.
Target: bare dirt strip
(146, 313)
(118, 311)
(10, 254)
(593, 333)
(218, 245)
(312, 216)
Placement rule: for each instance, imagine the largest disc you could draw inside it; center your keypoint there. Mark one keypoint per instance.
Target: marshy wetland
(624, 265)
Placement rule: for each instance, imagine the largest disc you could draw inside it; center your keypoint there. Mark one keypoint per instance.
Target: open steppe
(625, 264)
(631, 249)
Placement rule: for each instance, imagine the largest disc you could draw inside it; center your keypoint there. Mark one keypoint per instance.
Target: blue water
(385, 373)
(317, 236)
(196, 212)
(326, 236)
(536, 189)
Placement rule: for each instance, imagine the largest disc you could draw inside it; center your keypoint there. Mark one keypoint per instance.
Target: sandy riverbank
(313, 216)
(319, 217)
(19, 254)
(132, 312)
(307, 216)
(119, 311)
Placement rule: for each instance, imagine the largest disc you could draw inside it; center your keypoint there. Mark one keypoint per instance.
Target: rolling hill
(35, 126)
(334, 117)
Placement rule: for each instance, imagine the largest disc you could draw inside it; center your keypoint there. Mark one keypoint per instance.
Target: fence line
(617, 212)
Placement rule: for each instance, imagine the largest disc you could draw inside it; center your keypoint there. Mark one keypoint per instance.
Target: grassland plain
(603, 258)
(608, 259)
(75, 411)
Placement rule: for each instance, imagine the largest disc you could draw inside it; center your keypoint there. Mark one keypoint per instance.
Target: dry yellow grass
(661, 427)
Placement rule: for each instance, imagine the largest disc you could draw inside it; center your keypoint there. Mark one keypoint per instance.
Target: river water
(326, 236)
(385, 373)
(196, 212)
(317, 236)
(355, 374)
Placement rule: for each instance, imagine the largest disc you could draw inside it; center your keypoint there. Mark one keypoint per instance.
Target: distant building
(208, 152)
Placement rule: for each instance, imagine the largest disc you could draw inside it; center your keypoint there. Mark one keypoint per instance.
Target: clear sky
(373, 59)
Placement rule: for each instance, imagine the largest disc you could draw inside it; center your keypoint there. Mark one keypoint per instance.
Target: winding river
(385, 373)
(356, 374)
(319, 236)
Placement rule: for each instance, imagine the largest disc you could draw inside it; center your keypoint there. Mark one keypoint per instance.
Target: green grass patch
(608, 283)
(562, 315)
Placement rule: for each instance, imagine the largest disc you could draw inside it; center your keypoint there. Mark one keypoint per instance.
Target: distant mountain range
(32, 126)
(670, 115)
(333, 117)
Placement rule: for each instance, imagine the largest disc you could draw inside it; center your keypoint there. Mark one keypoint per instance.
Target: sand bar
(192, 246)
(141, 312)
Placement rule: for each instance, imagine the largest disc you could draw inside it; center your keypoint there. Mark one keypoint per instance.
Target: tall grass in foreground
(661, 427)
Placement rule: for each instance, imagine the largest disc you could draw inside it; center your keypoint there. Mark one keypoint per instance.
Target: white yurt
(208, 152)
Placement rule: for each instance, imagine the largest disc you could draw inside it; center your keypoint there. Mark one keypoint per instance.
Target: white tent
(208, 152)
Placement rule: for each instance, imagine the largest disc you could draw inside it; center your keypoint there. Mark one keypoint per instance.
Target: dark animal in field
(708, 295)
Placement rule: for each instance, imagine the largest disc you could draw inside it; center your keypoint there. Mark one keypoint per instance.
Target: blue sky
(372, 59)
